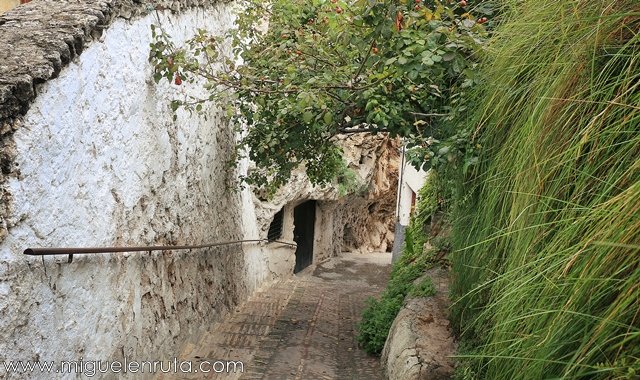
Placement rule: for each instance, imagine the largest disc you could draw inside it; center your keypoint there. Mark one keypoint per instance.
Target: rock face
(420, 342)
(369, 219)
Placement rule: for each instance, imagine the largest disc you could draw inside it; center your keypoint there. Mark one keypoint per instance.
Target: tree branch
(364, 61)
(428, 114)
(360, 130)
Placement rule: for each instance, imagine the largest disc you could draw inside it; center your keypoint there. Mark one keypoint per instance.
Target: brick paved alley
(300, 328)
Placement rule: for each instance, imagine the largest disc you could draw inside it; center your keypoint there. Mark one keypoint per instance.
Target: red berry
(462, 3)
(178, 80)
(338, 10)
(482, 20)
(375, 50)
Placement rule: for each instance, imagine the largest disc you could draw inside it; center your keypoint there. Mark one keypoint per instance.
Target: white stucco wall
(101, 164)
(415, 179)
(410, 182)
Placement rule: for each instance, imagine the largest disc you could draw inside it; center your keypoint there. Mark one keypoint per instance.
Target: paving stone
(300, 328)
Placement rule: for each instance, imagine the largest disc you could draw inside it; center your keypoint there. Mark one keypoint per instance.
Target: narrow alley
(300, 328)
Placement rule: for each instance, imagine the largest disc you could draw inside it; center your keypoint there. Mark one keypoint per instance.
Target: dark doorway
(304, 217)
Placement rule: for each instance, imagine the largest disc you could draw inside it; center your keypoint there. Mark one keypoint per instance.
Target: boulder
(420, 343)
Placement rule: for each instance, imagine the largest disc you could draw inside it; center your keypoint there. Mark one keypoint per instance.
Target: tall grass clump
(546, 259)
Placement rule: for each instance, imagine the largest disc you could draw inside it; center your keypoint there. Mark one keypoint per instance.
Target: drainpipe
(398, 240)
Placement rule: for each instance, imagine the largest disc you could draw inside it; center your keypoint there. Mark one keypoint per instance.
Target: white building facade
(410, 181)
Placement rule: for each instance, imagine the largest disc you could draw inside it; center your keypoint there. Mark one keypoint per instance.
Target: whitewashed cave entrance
(311, 225)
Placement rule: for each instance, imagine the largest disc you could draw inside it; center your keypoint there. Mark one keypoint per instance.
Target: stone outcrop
(369, 217)
(420, 343)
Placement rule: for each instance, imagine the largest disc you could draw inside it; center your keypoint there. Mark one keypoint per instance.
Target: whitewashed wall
(410, 183)
(101, 163)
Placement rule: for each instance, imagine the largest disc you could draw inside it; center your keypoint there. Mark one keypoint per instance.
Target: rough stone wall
(91, 157)
(38, 39)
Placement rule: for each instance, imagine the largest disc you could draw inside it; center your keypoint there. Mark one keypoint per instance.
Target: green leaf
(307, 117)
(328, 118)
(448, 56)
(444, 150)
(390, 60)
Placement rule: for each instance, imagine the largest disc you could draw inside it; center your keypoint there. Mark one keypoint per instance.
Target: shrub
(376, 322)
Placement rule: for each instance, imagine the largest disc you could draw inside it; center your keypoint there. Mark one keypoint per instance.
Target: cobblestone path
(300, 328)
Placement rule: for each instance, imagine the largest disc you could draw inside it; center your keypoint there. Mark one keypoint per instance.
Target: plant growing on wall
(328, 67)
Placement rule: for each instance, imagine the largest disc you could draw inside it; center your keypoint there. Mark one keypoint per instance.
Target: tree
(329, 67)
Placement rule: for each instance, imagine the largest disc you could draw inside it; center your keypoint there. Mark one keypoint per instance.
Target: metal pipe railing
(94, 250)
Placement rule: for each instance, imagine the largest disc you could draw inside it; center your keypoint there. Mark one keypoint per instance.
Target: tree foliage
(328, 67)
